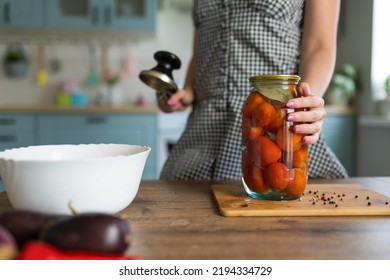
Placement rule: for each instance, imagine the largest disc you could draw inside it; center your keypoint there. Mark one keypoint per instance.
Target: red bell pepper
(37, 250)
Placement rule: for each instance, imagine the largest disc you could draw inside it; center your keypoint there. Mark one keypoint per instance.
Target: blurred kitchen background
(70, 75)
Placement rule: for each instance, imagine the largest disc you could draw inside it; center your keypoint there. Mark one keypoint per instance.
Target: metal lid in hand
(160, 77)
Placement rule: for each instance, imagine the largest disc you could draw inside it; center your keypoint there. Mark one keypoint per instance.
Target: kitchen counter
(87, 109)
(180, 220)
(374, 121)
(340, 110)
(331, 109)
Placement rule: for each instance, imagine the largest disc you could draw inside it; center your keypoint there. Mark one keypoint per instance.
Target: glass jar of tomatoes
(274, 157)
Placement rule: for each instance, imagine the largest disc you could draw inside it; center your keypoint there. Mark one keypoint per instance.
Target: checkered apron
(237, 40)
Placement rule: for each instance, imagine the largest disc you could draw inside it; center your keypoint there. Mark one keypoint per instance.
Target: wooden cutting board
(348, 200)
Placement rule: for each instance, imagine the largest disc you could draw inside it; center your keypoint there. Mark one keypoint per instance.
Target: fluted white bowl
(86, 178)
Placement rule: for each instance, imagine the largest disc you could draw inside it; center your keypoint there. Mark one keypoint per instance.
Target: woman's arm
(183, 97)
(319, 43)
(318, 55)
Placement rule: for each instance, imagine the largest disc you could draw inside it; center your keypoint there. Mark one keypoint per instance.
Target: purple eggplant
(94, 232)
(8, 247)
(26, 225)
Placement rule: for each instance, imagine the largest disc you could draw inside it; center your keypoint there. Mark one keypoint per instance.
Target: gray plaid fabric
(237, 40)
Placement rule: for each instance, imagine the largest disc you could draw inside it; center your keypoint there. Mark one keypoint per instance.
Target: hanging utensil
(15, 61)
(105, 67)
(55, 63)
(41, 78)
(93, 78)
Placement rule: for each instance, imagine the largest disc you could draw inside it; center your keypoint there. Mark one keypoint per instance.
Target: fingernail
(298, 129)
(291, 118)
(306, 91)
(170, 102)
(290, 104)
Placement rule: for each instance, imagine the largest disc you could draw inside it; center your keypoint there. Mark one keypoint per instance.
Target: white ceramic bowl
(87, 177)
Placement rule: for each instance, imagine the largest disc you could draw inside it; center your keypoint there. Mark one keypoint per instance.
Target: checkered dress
(237, 40)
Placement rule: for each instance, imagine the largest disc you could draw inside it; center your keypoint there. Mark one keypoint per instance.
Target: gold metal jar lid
(275, 77)
(275, 86)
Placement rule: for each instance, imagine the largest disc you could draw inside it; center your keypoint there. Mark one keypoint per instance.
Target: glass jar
(274, 157)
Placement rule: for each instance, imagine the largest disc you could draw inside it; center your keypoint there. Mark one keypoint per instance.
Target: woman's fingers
(311, 139)
(162, 102)
(310, 101)
(308, 115)
(304, 89)
(176, 102)
(308, 128)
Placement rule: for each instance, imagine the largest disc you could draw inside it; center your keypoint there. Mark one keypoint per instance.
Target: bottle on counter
(71, 95)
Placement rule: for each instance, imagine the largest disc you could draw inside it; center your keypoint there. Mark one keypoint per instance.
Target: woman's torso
(237, 40)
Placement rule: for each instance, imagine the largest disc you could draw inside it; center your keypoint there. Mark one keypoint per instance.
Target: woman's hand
(178, 101)
(310, 120)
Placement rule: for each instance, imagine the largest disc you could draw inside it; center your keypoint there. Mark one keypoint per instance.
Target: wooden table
(180, 220)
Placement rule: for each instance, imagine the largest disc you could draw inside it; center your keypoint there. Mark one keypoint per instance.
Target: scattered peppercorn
(368, 197)
(336, 205)
(343, 194)
(356, 196)
(369, 203)
(386, 203)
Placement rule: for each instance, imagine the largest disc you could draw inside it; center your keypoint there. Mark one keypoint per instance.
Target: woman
(233, 41)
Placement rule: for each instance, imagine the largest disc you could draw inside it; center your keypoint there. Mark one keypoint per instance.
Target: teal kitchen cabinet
(132, 14)
(139, 129)
(22, 13)
(16, 130)
(339, 132)
(102, 14)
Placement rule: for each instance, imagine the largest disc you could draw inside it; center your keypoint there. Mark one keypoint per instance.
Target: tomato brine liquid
(274, 157)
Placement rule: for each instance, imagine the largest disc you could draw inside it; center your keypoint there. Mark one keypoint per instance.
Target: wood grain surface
(318, 200)
(180, 220)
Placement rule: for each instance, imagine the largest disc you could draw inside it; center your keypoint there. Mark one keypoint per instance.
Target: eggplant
(93, 232)
(8, 246)
(25, 225)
